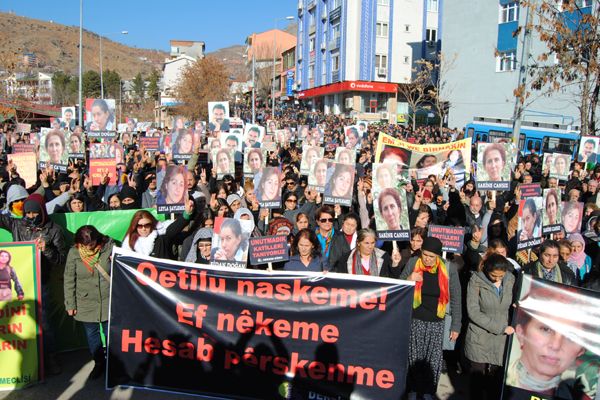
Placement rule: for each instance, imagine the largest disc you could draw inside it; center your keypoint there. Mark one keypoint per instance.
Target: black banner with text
(256, 335)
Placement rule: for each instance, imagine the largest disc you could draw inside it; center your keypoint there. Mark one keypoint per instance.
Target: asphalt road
(72, 383)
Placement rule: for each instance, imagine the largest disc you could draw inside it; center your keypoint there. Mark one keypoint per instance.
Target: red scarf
(443, 282)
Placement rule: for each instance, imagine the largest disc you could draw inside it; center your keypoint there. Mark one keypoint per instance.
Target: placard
(267, 249)
(452, 237)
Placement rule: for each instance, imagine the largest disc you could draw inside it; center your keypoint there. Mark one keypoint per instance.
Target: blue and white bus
(543, 137)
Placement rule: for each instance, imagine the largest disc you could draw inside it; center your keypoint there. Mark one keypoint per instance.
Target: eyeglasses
(291, 183)
(324, 220)
(291, 200)
(145, 226)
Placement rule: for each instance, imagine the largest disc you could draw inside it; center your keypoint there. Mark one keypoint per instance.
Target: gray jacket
(454, 286)
(488, 317)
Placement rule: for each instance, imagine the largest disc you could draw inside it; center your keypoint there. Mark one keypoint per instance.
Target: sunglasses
(145, 226)
(290, 183)
(323, 220)
(291, 200)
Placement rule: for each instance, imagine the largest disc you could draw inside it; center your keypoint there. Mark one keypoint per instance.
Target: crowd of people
(462, 302)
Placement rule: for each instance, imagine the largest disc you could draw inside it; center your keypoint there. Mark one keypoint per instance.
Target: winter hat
(233, 197)
(32, 206)
(15, 193)
(127, 192)
(433, 245)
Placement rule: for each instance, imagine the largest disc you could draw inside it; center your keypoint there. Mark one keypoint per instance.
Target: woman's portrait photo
(53, 148)
(384, 176)
(389, 212)
(341, 183)
(9, 279)
(184, 144)
(100, 114)
(267, 185)
(310, 155)
(494, 160)
(530, 219)
(552, 213)
(230, 242)
(223, 161)
(345, 156)
(173, 188)
(318, 175)
(254, 160)
(572, 212)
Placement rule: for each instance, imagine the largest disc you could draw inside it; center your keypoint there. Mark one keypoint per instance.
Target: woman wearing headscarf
(436, 287)
(200, 247)
(366, 259)
(87, 287)
(580, 263)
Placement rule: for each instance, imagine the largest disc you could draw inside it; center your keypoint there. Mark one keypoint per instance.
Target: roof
(263, 43)
(184, 42)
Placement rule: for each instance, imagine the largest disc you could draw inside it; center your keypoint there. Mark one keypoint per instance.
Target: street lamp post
(80, 113)
(101, 72)
(288, 18)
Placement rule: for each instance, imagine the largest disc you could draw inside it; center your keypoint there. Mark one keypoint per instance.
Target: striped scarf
(89, 257)
(443, 282)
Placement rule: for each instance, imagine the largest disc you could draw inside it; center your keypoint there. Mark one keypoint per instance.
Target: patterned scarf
(328, 239)
(553, 275)
(89, 257)
(357, 268)
(443, 282)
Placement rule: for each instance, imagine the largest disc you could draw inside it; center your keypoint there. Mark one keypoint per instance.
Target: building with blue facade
(352, 54)
(480, 36)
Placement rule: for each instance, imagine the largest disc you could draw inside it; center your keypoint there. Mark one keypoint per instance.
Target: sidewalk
(73, 384)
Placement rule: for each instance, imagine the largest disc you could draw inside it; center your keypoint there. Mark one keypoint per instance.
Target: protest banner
(23, 148)
(68, 119)
(149, 143)
(104, 158)
(230, 242)
(384, 176)
(250, 334)
(588, 151)
(340, 186)
(438, 159)
(552, 215)
(529, 233)
(496, 161)
(20, 316)
(452, 237)
(557, 165)
(22, 128)
(266, 249)
(267, 186)
(172, 192)
(530, 190)
(233, 140)
(345, 156)
(76, 146)
(182, 144)
(253, 135)
(26, 168)
(351, 137)
(555, 349)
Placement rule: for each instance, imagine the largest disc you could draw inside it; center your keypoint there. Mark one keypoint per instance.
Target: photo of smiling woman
(184, 145)
(173, 190)
(341, 185)
(223, 162)
(53, 148)
(552, 215)
(317, 179)
(495, 162)
(230, 243)
(267, 187)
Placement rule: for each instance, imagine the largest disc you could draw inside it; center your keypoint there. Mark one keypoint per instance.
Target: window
(382, 100)
(507, 61)
(311, 71)
(380, 61)
(323, 71)
(335, 4)
(578, 3)
(335, 62)
(406, 28)
(432, 5)
(406, 59)
(554, 145)
(335, 31)
(311, 43)
(383, 2)
(382, 29)
(509, 12)
(431, 35)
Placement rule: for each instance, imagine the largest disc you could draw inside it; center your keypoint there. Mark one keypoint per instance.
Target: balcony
(336, 13)
(312, 4)
(312, 29)
(335, 43)
(300, 6)
(335, 76)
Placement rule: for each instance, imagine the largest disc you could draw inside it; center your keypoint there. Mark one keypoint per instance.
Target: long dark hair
(310, 236)
(89, 235)
(132, 230)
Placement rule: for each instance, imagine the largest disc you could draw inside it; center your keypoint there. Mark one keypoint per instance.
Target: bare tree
(416, 90)
(440, 90)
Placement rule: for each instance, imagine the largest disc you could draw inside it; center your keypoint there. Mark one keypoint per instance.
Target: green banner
(68, 333)
(20, 312)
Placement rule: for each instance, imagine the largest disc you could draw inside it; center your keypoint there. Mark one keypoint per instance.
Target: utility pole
(80, 114)
(523, 69)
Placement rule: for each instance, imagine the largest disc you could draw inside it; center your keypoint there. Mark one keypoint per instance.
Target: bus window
(485, 138)
(500, 134)
(478, 138)
(470, 132)
(558, 145)
(522, 141)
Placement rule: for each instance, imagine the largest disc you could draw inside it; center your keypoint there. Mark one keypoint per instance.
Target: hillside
(232, 57)
(56, 47)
